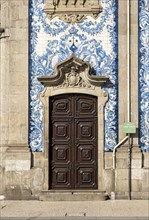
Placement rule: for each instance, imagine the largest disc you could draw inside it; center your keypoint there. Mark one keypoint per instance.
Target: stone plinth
(72, 195)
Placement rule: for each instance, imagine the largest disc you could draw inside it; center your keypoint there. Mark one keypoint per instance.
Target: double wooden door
(73, 153)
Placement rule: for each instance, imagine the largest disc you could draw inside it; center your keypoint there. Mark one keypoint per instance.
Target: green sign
(129, 128)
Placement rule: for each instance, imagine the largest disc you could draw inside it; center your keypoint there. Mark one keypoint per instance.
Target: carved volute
(72, 11)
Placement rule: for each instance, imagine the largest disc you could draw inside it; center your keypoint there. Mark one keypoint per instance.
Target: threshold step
(72, 195)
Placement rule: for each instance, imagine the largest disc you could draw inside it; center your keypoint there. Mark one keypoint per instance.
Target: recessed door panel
(62, 130)
(61, 178)
(85, 129)
(61, 154)
(73, 142)
(86, 178)
(85, 153)
(85, 106)
(61, 106)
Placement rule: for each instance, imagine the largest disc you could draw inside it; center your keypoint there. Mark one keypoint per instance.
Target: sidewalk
(73, 209)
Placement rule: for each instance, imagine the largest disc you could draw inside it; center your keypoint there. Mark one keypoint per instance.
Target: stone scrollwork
(73, 72)
(74, 79)
(72, 11)
(72, 18)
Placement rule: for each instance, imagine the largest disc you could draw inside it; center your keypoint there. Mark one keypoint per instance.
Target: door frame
(83, 83)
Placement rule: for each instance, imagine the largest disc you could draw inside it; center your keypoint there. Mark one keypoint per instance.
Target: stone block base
(18, 192)
(72, 195)
(22, 176)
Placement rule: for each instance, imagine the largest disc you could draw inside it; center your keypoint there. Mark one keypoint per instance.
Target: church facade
(74, 99)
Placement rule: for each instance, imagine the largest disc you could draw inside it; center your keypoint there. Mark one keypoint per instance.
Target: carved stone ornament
(73, 72)
(72, 11)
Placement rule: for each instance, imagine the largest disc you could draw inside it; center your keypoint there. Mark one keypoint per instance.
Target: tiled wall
(53, 41)
(144, 74)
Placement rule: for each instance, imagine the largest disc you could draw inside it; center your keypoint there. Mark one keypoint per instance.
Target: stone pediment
(73, 72)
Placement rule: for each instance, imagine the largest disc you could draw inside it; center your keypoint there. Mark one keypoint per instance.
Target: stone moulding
(74, 76)
(73, 72)
(72, 11)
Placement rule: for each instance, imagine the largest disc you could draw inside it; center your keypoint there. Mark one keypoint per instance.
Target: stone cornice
(72, 11)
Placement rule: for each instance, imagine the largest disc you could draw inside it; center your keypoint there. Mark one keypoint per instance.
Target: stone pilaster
(4, 74)
(18, 72)
(134, 65)
(122, 63)
(14, 152)
(14, 72)
(123, 97)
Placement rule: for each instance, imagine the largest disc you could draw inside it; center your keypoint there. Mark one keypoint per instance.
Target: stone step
(72, 195)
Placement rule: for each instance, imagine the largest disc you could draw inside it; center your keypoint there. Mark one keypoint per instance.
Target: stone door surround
(74, 76)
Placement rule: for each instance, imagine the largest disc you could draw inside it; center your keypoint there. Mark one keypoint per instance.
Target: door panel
(85, 153)
(62, 130)
(61, 178)
(85, 106)
(61, 154)
(86, 178)
(73, 142)
(61, 106)
(85, 129)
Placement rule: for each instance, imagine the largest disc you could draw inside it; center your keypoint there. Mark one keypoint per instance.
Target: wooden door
(73, 142)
